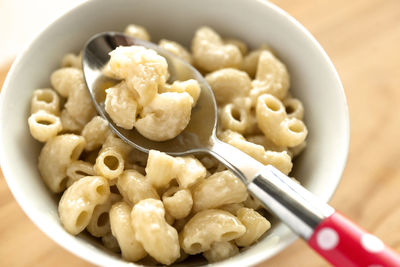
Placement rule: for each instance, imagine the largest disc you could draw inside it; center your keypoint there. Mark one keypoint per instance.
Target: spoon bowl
(199, 133)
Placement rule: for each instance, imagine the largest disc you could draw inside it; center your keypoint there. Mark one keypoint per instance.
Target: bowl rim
(23, 202)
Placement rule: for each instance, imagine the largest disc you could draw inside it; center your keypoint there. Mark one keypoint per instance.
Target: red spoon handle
(343, 243)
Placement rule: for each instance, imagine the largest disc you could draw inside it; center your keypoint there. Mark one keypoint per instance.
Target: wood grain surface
(362, 37)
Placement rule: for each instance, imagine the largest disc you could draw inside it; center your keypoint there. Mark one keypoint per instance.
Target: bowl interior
(313, 78)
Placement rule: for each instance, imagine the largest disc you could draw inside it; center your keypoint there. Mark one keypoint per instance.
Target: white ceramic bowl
(314, 80)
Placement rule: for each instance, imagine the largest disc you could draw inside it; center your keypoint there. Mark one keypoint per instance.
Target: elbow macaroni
(256, 225)
(280, 160)
(161, 169)
(44, 125)
(166, 116)
(121, 106)
(69, 124)
(79, 200)
(69, 83)
(134, 187)
(207, 227)
(234, 118)
(217, 190)
(229, 83)
(123, 231)
(210, 53)
(191, 87)
(47, 100)
(109, 163)
(79, 169)
(99, 224)
(56, 155)
(250, 61)
(95, 133)
(137, 31)
(271, 77)
(276, 125)
(157, 237)
(138, 203)
(177, 202)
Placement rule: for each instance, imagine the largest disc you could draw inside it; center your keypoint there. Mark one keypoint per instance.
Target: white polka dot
(371, 243)
(327, 238)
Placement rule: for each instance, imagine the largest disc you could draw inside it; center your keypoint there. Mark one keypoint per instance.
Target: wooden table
(362, 37)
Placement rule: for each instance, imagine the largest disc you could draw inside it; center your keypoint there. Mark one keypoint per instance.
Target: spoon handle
(343, 243)
(337, 239)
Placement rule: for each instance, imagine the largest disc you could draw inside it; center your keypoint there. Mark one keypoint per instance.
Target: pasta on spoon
(143, 99)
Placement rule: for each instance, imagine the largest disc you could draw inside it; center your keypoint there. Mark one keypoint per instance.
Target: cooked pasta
(156, 208)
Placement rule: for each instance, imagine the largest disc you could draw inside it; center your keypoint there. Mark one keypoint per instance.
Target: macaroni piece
(137, 31)
(234, 118)
(280, 160)
(176, 49)
(79, 169)
(256, 226)
(210, 53)
(56, 155)
(207, 227)
(217, 190)
(69, 124)
(228, 83)
(190, 171)
(109, 163)
(166, 116)
(69, 83)
(156, 208)
(122, 230)
(95, 133)
(294, 108)
(99, 224)
(44, 125)
(261, 140)
(177, 202)
(134, 187)
(276, 125)
(161, 169)
(47, 100)
(191, 87)
(158, 238)
(112, 141)
(250, 61)
(121, 106)
(271, 77)
(79, 200)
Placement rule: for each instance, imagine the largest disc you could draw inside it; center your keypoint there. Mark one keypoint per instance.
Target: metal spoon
(298, 208)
